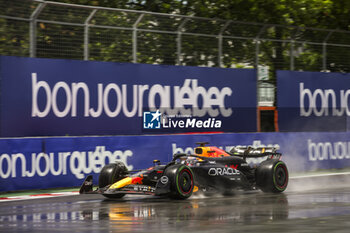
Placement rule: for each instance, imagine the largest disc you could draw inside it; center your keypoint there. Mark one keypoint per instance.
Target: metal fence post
(257, 46)
(292, 43)
(32, 29)
(86, 34)
(291, 56)
(324, 51)
(257, 51)
(220, 42)
(324, 56)
(179, 40)
(178, 48)
(134, 38)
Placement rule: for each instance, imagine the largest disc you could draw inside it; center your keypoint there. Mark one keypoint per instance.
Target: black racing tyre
(110, 174)
(181, 181)
(272, 176)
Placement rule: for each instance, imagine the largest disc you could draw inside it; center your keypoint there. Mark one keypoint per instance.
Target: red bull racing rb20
(209, 170)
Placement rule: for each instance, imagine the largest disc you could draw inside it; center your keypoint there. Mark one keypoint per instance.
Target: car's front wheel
(181, 181)
(110, 174)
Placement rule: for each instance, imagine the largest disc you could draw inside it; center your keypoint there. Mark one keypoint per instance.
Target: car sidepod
(219, 177)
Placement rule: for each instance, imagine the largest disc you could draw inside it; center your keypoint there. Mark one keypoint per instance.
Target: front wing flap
(160, 189)
(132, 189)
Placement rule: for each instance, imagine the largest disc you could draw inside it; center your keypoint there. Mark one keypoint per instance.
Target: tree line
(63, 41)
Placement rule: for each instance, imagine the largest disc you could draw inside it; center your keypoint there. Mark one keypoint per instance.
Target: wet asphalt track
(300, 209)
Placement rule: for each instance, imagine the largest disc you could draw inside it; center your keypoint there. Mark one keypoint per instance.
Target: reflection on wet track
(308, 211)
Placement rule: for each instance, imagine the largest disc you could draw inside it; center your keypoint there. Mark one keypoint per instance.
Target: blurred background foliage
(105, 44)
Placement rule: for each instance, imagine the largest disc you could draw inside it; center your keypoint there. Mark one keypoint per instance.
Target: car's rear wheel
(181, 181)
(272, 176)
(110, 174)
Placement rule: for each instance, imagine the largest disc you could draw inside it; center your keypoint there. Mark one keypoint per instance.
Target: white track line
(321, 175)
(37, 196)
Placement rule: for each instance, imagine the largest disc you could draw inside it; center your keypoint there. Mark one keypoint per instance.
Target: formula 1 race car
(209, 170)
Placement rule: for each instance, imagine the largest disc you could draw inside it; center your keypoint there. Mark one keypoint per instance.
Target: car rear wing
(255, 152)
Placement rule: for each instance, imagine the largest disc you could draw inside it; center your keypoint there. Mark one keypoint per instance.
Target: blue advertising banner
(37, 163)
(50, 97)
(313, 101)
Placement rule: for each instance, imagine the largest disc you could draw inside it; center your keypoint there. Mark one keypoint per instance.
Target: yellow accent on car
(121, 183)
(195, 189)
(210, 151)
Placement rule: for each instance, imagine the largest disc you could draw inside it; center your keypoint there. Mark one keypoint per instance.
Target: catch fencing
(59, 30)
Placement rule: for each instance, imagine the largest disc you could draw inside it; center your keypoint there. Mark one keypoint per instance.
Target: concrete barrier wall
(37, 163)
